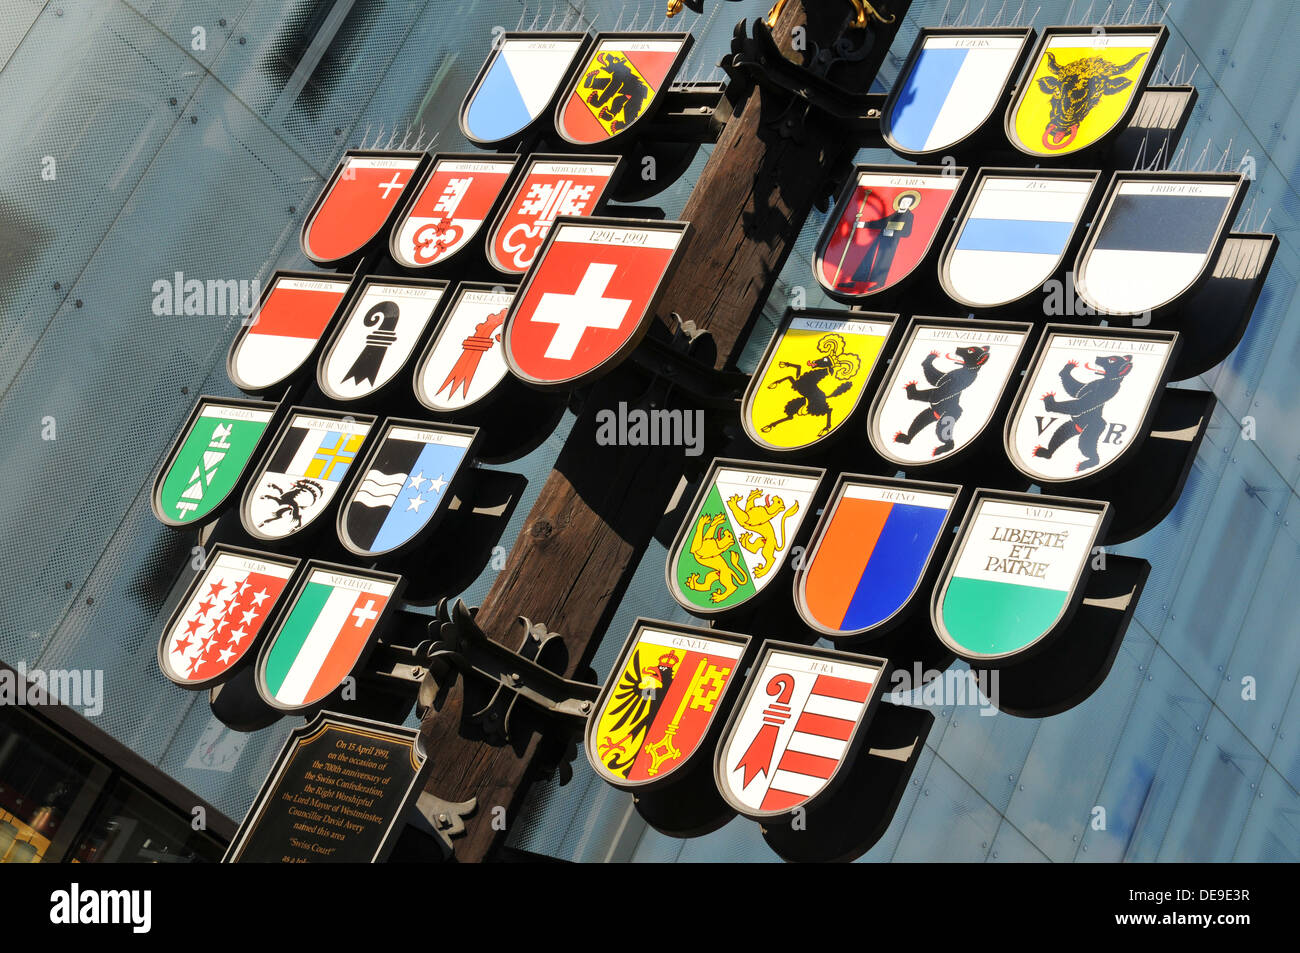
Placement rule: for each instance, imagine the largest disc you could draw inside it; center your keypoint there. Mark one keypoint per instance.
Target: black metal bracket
(446, 819)
(511, 676)
(683, 360)
(757, 60)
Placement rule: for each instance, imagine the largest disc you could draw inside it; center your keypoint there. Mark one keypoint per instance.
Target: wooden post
(599, 507)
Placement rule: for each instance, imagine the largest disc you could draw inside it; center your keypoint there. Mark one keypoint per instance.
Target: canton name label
(776, 481)
(1212, 189)
(980, 337)
(310, 284)
(356, 583)
(402, 291)
(1030, 545)
(244, 564)
(1065, 186)
(331, 423)
(871, 328)
(459, 166)
(1099, 41)
(821, 666)
(946, 182)
(972, 43)
(706, 646)
(570, 168)
(643, 46)
(1116, 343)
(486, 297)
(441, 438)
(221, 412)
(878, 494)
(375, 163)
(648, 238)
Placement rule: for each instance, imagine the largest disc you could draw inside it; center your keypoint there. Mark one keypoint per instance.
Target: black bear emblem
(1089, 397)
(945, 389)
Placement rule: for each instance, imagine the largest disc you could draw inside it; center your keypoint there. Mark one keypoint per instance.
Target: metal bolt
(77, 302)
(243, 40)
(586, 707)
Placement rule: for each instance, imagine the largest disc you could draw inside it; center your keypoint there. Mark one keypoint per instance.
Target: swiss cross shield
(883, 227)
(1081, 87)
(549, 187)
(282, 333)
(871, 551)
(358, 202)
(1012, 234)
(797, 727)
(738, 533)
(222, 614)
(619, 84)
(588, 299)
(1156, 236)
(377, 335)
(327, 628)
(464, 362)
(207, 463)
(519, 80)
(1016, 572)
(299, 475)
(1087, 400)
(405, 483)
(670, 686)
(448, 209)
(945, 383)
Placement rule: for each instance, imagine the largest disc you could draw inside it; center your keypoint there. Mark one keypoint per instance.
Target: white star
(260, 597)
(225, 655)
(236, 636)
(417, 482)
(249, 616)
(438, 484)
(414, 503)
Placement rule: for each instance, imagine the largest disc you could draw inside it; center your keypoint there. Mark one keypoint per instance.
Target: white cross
(365, 615)
(389, 186)
(573, 314)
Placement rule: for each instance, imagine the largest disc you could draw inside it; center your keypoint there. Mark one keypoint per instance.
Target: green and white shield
(209, 459)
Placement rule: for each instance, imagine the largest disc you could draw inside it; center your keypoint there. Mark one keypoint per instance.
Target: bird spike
(1264, 223)
(943, 17)
(519, 24)
(1141, 153)
(1069, 14)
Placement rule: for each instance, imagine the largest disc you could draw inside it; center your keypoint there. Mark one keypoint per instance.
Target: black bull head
(1075, 89)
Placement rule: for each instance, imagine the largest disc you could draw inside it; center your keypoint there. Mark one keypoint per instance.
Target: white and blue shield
(950, 86)
(1012, 234)
(517, 84)
(405, 482)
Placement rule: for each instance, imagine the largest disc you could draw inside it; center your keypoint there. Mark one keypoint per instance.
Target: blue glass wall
(149, 137)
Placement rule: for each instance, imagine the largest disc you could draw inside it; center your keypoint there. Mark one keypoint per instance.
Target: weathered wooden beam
(599, 507)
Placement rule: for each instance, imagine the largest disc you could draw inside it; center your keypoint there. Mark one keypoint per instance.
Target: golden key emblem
(702, 692)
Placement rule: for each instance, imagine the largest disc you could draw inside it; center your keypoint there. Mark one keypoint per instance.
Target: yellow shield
(1081, 87)
(812, 378)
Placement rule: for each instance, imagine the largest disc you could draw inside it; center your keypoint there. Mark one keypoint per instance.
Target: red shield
(550, 187)
(883, 227)
(449, 209)
(588, 298)
(356, 204)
